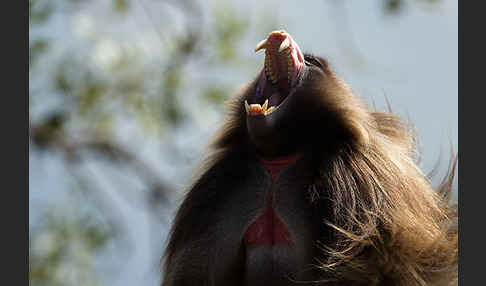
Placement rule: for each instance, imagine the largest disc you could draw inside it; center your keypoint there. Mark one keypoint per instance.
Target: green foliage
(39, 11)
(170, 107)
(36, 49)
(393, 6)
(62, 249)
(215, 94)
(230, 28)
(49, 131)
(62, 81)
(121, 6)
(90, 95)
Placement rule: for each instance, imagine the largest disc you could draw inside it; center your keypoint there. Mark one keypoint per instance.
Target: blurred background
(124, 96)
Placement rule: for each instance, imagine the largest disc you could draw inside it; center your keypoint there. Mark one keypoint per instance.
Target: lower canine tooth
(265, 105)
(247, 107)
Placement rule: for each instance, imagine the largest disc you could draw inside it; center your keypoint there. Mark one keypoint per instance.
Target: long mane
(388, 224)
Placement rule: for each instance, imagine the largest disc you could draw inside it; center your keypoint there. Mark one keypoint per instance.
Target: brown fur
(388, 225)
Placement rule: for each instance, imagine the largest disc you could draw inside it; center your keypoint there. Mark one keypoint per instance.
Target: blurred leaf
(432, 2)
(173, 78)
(230, 27)
(47, 131)
(39, 11)
(97, 237)
(67, 75)
(187, 43)
(120, 6)
(431, 5)
(171, 109)
(65, 240)
(62, 83)
(91, 95)
(393, 6)
(104, 126)
(215, 95)
(36, 49)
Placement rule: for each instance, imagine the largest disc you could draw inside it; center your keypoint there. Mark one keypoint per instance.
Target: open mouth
(283, 63)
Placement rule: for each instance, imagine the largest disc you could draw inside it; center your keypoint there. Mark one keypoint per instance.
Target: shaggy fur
(386, 224)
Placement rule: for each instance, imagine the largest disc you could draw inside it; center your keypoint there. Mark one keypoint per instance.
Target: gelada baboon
(306, 184)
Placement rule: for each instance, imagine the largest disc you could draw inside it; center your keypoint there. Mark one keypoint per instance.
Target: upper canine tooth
(247, 107)
(261, 45)
(284, 45)
(265, 105)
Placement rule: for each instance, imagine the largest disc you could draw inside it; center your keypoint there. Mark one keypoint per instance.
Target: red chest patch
(269, 229)
(273, 167)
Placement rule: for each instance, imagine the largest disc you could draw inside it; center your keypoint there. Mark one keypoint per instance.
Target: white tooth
(265, 105)
(261, 45)
(247, 107)
(284, 45)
